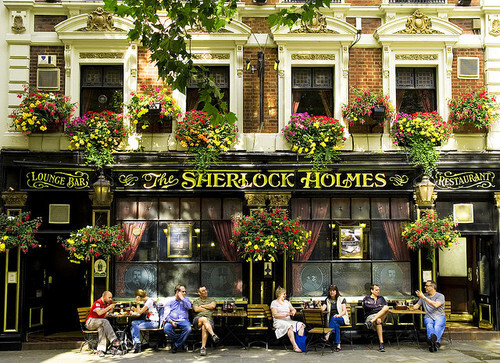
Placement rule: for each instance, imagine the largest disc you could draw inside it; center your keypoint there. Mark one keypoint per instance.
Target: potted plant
(317, 137)
(41, 112)
(431, 232)
(367, 112)
(419, 134)
(104, 242)
(98, 135)
(206, 137)
(152, 110)
(265, 234)
(473, 111)
(18, 231)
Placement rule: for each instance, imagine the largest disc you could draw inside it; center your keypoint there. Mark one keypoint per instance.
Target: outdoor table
(400, 312)
(230, 320)
(121, 323)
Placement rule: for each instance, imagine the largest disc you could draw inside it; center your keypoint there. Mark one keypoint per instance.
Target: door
(485, 281)
(55, 285)
(457, 276)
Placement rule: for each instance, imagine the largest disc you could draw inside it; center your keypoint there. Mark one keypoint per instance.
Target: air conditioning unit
(59, 213)
(47, 79)
(468, 67)
(47, 60)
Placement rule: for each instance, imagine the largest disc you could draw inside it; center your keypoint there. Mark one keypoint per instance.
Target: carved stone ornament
(18, 24)
(14, 199)
(313, 56)
(316, 25)
(416, 57)
(92, 55)
(418, 23)
(100, 20)
(211, 56)
(495, 27)
(256, 199)
(279, 199)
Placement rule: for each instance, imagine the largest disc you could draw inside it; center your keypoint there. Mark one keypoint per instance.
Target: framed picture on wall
(179, 240)
(351, 242)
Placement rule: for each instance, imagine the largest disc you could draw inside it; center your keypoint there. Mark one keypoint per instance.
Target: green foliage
(477, 108)
(359, 110)
(18, 231)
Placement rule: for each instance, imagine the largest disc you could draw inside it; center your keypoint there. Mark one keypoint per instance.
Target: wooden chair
(447, 313)
(258, 323)
(90, 337)
(348, 328)
(316, 329)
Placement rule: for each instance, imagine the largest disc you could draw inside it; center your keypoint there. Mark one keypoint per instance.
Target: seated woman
(151, 312)
(335, 307)
(282, 322)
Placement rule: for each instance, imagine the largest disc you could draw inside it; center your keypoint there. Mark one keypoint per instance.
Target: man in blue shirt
(177, 316)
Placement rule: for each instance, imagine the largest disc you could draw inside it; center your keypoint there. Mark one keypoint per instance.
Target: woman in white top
(151, 312)
(336, 313)
(282, 311)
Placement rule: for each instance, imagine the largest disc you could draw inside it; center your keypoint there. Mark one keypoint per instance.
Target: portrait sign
(351, 242)
(179, 238)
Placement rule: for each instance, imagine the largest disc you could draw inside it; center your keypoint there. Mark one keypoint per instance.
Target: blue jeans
(178, 339)
(335, 323)
(435, 326)
(136, 327)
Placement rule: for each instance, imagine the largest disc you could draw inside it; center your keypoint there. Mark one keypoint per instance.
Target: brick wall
(258, 25)
(365, 69)
(460, 86)
(46, 50)
(147, 72)
(251, 93)
(46, 23)
(465, 24)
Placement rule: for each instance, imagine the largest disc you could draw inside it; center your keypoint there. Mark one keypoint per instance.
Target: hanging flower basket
(18, 231)
(430, 233)
(419, 134)
(103, 242)
(368, 112)
(41, 112)
(264, 235)
(474, 111)
(317, 137)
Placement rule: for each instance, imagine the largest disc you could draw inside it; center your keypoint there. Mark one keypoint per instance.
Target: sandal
(338, 349)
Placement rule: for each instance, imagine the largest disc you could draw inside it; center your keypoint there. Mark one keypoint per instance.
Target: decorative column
(14, 203)
(425, 197)
(280, 200)
(101, 198)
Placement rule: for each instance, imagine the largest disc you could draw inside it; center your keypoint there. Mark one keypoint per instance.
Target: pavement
(459, 351)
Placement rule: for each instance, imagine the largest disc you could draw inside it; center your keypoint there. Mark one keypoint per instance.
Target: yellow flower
(43, 127)
(2, 247)
(5, 238)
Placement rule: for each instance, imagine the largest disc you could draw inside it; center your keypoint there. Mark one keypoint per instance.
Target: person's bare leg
(381, 314)
(208, 326)
(291, 336)
(380, 335)
(204, 335)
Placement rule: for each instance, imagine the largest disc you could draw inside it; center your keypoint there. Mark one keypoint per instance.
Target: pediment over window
(235, 31)
(418, 27)
(321, 28)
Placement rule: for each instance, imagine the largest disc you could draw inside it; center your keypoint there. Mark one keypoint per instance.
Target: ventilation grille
(47, 79)
(59, 213)
(468, 68)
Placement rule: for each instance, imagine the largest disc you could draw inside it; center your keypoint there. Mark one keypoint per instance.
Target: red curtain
(133, 238)
(223, 232)
(424, 96)
(393, 230)
(319, 210)
(296, 100)
(325, 99)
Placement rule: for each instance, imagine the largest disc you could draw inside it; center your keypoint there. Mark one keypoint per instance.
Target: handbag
(300, 339)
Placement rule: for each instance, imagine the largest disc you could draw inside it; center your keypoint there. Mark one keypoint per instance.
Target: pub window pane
(321, 250)
(148, 209)
(352, 278)
(320, 208)
(415, 90)
(310, 279)
(360, 208)
(394, 278)
(380, 208)
(169, 208)
(301, 208)
(126, 209)
(222, 279)
(400, 208)
(147, 249)
(312, 91)
(130, 276)
(190, 208)
(232, 208)
(341, 208)
(171, 274)
(181, 246)
(381, 250)
(209, 244)
(211, 208)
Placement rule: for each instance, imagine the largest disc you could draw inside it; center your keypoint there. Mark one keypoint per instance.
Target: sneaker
(137, 347)
(433, 340)
(215, 338)
(369, 325)
(101, 354)
(173, 349)
(203, 351)
(115, 343)
(381, 347)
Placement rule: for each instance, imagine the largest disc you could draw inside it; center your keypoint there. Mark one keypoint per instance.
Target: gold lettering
(285, 179)
(259, 176)
(307, 180)
(219, 177)
(380, 178)
(271, 177)
(189, 180)
(324, 178)
(367, 180)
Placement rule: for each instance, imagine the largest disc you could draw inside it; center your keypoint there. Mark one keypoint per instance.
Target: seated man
(204, 307)
(177, 315)
(434, 319)
(97, 321)
(375, 308)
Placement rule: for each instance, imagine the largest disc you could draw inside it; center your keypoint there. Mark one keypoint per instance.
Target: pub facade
(179, 223)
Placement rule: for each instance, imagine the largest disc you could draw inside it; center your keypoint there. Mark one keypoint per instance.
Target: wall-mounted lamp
(212, 244)
(249, 66)
(362, 225)
(276, 64)
(424, 193)
(102, 191)
(197, 230)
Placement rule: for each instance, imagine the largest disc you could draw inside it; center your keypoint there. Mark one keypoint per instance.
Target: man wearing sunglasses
(177, 316)
(435, 320)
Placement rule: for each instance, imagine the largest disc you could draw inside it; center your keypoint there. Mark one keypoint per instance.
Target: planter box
(51, 129)
(154, 127)
(469, 129)
(366, 142)
(366, 128)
